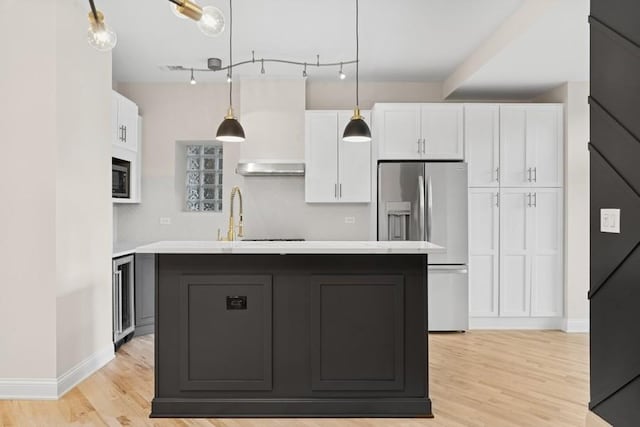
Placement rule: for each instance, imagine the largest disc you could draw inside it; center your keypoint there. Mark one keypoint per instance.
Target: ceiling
(405, 40)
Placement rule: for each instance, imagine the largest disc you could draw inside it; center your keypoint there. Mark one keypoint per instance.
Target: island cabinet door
(225, 332)
(357, 332)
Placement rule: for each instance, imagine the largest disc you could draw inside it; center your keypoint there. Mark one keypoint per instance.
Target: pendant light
(357, 129)
(99, 36)
(230, 130)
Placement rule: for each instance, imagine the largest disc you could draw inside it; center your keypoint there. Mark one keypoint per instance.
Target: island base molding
(292, 408)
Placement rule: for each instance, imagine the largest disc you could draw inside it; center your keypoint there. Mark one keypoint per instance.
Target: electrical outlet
(165, 220)
(349, 219)
(610, 220)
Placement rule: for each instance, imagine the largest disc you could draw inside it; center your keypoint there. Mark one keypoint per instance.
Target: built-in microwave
(120, 178)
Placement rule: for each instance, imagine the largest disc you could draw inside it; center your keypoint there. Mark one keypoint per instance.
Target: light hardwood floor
(524, 378)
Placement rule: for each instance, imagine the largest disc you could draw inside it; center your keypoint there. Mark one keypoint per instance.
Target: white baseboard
(54, 388)
(82, 370)
(28, 388)
(575, 325)
(515, 323)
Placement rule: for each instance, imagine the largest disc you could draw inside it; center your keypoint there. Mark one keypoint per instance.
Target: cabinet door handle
(335, 191)
(125, 134)
(340, 187)
(529, 174)
(424, 145)
(419, 142)
(535, 200)
(529, 199)
(497, 199)
(498, 174)
(535, 174)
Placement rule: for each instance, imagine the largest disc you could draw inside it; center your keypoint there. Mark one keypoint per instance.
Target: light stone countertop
(289, 247)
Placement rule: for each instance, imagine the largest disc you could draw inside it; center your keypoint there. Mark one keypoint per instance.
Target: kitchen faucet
(231, 234)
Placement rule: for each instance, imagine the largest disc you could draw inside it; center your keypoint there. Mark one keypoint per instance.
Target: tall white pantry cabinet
(515, 157)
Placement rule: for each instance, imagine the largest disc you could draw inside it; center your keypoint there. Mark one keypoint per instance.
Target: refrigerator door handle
(421, 213)
(429, 207)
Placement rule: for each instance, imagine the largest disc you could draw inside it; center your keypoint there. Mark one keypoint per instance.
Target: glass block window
(204, 178)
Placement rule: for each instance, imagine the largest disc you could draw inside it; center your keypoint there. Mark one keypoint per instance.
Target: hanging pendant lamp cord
(230, 52)
(93, 9)
(357, 58)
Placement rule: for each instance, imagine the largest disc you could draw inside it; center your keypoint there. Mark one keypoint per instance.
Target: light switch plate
(165, 220)
(610, 220)
(349, 219)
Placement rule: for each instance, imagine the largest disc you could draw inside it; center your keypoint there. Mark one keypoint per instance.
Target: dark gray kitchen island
(291, 329)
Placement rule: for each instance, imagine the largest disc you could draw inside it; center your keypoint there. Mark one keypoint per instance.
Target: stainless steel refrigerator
(428, 201)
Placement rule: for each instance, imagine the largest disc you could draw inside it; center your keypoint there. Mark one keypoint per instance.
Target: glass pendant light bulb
(99, 35)
(212, 22)
(341, 74)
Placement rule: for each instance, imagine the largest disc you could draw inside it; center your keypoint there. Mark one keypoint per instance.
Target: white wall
(55, 225)
(574, 95)
(83, 193)
(28, 190)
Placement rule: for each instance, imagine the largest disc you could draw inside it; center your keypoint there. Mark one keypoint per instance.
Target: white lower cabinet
(516, 257)
(484, 227)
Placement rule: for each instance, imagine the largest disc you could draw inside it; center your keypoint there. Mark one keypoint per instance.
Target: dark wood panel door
(357, 332)
(225, 332)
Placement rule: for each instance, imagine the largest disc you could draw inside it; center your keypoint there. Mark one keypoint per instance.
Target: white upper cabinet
(419, 131)
(442, 131)
(482, 143)
(124, 122)
(354, 164)
(531, 148)
(484, 223)
(336, 171)
(321, 152)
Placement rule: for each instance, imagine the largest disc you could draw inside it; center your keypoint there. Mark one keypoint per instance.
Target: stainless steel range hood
(270, 168)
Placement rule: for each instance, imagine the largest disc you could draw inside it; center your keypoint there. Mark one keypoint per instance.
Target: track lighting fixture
(209, 18)
(230, 130)
(357, 129)
(341, 74)
(99, 35)
(193, 80)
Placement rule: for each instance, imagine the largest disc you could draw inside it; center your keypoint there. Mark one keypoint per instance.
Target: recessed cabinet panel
(398, 131)
(124, 119)
(547, 274)
(514, 286)
(357, 349)
(482, 144)
(515, 253)
(513, 147)
(354, 164)
(321, 174)
(544, 146)
(483, 250)
(442, 131)
(225, 332)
